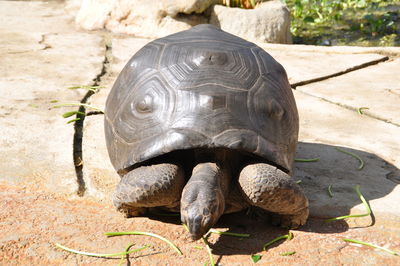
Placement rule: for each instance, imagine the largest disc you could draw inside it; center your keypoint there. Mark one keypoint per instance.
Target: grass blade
(228, 233)
(73, 120)
(361, 166)
(69, 114)
(86, 87)
(146, 234)
(289, 236)
(256, 257)
(301, 160)
(360, 110)
(98, 254)
(126, 250)
(357, 188)
(78, 104)
(330, 193)
(370, 245)
(289, 253)
(209, 251)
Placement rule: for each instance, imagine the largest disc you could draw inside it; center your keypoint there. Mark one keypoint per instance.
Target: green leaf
(73, 120)
(330, 193)
(289, 236)
(98, 254)
(289, 253)
(361, 166)
(308, 19)
(228, 233)
(78, 104)
(69, 114)
(256, 257)
(209, 251)
(366, 205)
(146, 234)
(301, 160)
(86, 87)
(371, 245)
(360, 110)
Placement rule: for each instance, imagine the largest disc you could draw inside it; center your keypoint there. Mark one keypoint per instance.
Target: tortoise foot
(292, 221)
(149, 186)
(271, 189)
(130, 211)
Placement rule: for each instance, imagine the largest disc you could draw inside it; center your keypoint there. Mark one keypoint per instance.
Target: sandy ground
(42, 52)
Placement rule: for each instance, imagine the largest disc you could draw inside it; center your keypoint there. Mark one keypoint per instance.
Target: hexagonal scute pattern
(201, 88)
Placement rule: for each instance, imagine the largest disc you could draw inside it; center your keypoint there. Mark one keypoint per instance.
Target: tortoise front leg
(149, 186)
(273, 190)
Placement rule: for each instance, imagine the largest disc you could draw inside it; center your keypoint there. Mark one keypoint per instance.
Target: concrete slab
(36, 68)
(303, 66)
(36, 16)
(300, 65)
(325, 126)
(320, 133)
(376, 87)
(43, 53)
(323, 122)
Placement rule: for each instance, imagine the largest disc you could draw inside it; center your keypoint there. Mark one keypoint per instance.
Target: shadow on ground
(377, 179)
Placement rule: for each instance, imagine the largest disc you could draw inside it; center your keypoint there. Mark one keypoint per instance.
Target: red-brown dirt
(33, 221)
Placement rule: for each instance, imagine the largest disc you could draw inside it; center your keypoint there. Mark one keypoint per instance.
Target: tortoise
(204, 123)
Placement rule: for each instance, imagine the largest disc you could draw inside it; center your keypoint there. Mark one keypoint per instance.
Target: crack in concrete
(351, 69)
(352, 109)
(78, 125)
(43, 42)
(340, 73)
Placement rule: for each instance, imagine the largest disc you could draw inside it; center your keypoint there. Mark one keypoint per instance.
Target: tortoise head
(203, 199)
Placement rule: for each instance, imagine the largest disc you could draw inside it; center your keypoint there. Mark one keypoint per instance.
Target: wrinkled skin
(209, 191)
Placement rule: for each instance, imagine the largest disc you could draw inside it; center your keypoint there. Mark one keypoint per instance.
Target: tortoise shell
(201, 88)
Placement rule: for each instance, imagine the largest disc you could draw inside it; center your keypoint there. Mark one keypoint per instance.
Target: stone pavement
(42, 53)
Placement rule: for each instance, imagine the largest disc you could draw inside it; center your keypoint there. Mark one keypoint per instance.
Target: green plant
(172, 245)
(361, 165)
(344, 21)
(248, 4)
(373, 24)
(371, 245)
(256, 257)
(101, 255)
(288, 236)
(366, 205)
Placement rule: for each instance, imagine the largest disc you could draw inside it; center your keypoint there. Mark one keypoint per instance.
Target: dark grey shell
(201, 87)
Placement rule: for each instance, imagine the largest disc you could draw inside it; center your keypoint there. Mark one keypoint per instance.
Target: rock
(149, 19)
(93, 14)
(268, 22)
(173, 7)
